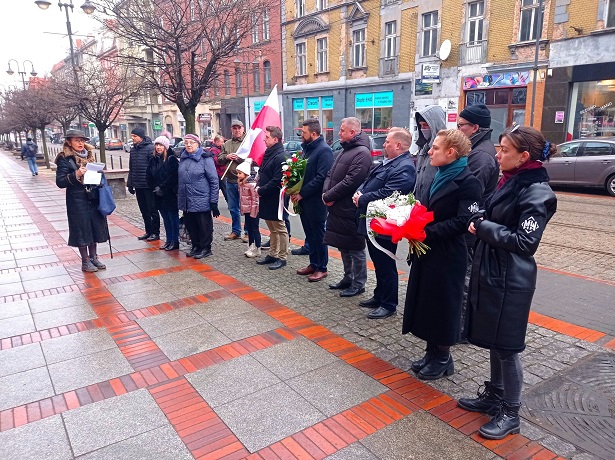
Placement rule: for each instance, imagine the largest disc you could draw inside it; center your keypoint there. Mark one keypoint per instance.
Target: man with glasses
(229, 155)
(475, 123)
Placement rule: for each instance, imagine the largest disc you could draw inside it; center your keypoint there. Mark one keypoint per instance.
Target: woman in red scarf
(504, 272)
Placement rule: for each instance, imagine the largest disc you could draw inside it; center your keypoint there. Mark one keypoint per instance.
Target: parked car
(292, 147)
(585, 162)
(179, 147)
(95, 142)
(377, 141)
(128, 145)
(114, 144)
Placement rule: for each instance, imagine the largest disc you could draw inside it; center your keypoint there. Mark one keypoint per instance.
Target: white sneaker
(250, 251)
(257, 252)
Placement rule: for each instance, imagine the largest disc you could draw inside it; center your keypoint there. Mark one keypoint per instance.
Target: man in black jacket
(140, 153)
(313, 215)
(396, 173)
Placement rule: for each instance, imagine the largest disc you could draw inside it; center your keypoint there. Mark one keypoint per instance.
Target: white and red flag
(253, 145)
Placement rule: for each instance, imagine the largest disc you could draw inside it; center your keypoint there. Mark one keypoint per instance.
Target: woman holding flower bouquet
(435, 286)
(504, 272)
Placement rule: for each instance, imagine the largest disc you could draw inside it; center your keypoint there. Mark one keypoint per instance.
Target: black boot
(441, 364)
(488, 401)
(421, 363)
(505, 423)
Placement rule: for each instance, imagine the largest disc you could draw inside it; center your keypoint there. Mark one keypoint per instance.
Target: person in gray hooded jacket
(429, 121)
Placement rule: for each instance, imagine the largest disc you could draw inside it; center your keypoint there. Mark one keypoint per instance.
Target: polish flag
(253, 145)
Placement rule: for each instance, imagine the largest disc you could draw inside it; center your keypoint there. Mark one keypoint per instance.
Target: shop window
(321, 55)
(529, 28)
(592, 112)
(507, 105)
(430, 33)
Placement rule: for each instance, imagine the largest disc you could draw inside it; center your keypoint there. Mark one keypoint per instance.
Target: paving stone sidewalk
(161, 356)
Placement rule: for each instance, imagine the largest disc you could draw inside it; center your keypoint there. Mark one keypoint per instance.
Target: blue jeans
(232, 198)
(171, 225)
(33, 166)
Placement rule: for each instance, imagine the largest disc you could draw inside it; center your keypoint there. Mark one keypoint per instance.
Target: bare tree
(177, 46)
(68, 109)
(103, 89)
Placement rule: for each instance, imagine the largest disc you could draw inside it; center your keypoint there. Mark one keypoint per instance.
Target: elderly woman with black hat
(86, 226)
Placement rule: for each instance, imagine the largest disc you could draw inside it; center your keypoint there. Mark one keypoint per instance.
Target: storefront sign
(157, 124)
(559, 116)
(370, 100)
(299, 104)
(258, 106)
(452, 118)
(497, 80)
(430, 73)
(327, 102)
(204, 117)
(313, 103)
(123, 126)
(422, 88)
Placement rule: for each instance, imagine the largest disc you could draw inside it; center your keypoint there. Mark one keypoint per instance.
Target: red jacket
(215, 152)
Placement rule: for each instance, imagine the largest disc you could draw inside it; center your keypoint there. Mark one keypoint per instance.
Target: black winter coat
(163, 173)
(349, 170)
(269, 182)
(85, 224)
(435, 286)
(483, 164)
(398, 174)
(140, 155)
(504, 271)
(320, 159)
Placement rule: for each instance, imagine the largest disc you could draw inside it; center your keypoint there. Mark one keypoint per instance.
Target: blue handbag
(106, 204)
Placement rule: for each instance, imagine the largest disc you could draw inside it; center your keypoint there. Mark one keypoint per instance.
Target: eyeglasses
(459, 125)
(190, 143)
(515, 127)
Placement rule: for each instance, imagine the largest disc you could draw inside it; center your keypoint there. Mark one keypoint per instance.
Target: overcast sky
(27, 32)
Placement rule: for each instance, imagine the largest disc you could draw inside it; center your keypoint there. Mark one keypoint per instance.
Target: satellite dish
(445, 50)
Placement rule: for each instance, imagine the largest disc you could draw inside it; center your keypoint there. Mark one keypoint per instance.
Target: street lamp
(247, 64)
(21, 72)
(88, 8)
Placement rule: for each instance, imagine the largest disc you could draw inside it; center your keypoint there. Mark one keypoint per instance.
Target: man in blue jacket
(313, 215)
(396, 173)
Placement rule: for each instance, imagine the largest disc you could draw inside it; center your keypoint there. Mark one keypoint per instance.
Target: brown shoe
(306, 271)
(317, 276)
(231, 236)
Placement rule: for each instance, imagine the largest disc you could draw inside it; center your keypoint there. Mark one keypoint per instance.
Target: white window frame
(610, 13)
(533, 9)
(301, 58)
(300, 8)
(358, 48)
(390, 39)
(322, 55)
(266, 31)
(255, 28)
(476, 21)
(321, 5)
(429, 34)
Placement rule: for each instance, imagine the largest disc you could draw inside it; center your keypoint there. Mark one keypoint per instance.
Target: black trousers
(387, 280)
(200, 227)
(147, 206)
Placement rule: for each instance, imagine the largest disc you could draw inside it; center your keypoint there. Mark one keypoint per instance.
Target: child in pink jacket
(248, 202)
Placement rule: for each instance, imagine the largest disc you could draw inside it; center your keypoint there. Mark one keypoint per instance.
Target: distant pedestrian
(29, 151)
(197, 195)
(249, 203)
(86, 226)
(228, 155)
(504, 272)
(140, 153)
(313, 211)
(162, 179)
(349, 170)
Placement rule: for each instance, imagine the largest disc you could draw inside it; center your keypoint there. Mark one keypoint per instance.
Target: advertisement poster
(497, 80)
(422, 89)
(559, 116)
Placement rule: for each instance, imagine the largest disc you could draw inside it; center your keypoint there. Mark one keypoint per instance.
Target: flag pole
(229, 165)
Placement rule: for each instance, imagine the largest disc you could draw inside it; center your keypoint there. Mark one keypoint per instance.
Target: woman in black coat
(435, 286)
(162, 179)
(86, 226)
(504, 272)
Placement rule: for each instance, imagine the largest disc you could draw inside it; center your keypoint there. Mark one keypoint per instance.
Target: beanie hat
(167, 134)
(138, 131)
(192, 137)
(478, 114)
(245, 167)
(163, 140)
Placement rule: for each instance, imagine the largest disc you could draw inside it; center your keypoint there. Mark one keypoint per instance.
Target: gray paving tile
(76, 345)
(11, 289)
(54, 302)
(86, 370)
(190, 341)
(28, 243)
(63, 316)
(354, 451)
(336, 387)
(112, 420)
(163, 263)
(37, 260)
(267, 416)
(9, 278)
(415, 437)
(160, 444)
(48, 283)
(4, 256)
(186, 283)
(128, 245)
(111, 271)
(16, 325)
(246, 324)
(171, 321)
(21, 359)
(148, 257)
(26, 387)
(145, 299)
(132, 287)
(12, 309)
(34, 253)
(244, 375)
(222, 308)
(45, 439)
(287, 360)
(40, 273)
(7, 264)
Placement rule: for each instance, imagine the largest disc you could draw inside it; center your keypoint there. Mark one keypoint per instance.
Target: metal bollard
(112, 162)
(95, 157)
(121, 162)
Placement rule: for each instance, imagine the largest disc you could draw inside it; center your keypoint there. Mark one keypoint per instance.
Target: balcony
(389, 67)
(473, 52)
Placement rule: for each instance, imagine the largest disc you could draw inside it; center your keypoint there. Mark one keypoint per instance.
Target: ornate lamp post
(21, 72)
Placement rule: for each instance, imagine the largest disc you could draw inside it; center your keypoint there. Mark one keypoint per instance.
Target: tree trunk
(45, 152)
(189, 116)
(101, 143)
